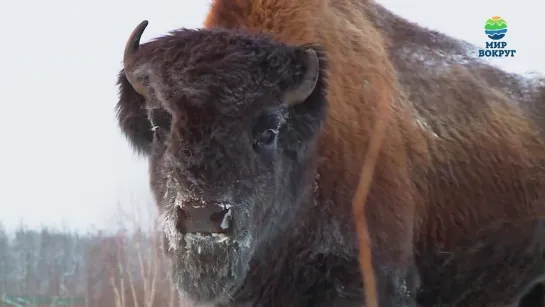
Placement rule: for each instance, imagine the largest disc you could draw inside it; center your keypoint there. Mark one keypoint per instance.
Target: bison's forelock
(229, 121)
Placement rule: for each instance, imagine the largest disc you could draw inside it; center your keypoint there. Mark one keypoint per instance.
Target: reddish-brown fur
(480, 159)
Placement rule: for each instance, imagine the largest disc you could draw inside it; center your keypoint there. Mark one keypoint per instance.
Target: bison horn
(132, 46)
(307, 85)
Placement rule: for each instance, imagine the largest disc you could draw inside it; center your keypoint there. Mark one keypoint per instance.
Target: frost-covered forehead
(226, 69)
(202, 82)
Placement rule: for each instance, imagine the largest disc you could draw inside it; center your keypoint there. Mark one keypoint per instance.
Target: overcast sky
(63, 158)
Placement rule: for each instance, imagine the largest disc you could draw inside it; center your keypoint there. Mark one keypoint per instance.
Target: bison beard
(228, 115)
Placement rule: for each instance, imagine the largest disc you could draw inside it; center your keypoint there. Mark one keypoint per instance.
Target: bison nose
(207, 217)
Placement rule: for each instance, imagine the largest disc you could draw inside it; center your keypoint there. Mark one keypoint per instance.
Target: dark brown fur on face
(197, 104)
(456, 191)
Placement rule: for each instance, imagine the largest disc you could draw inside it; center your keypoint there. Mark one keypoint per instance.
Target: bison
(256, 129)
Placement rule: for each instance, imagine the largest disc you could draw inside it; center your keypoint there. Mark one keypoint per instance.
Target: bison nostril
(182, 219)
(223, 218)
(205, 218)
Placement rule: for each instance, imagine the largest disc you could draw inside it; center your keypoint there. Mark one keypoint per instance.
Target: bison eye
(266, 138)
(158, 133)
(160, 123)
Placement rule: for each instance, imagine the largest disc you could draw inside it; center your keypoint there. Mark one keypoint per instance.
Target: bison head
(229, 122)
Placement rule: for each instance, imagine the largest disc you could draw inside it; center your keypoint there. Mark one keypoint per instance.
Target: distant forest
(127, 269)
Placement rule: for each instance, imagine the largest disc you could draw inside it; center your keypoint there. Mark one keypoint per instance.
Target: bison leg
(503, 265)
(535, 297)
(396, 287)
(390, 229)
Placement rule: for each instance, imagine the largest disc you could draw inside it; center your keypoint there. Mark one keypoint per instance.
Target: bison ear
(133, 117)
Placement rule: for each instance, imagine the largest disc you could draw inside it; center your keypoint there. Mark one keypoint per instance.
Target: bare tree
(126, 269)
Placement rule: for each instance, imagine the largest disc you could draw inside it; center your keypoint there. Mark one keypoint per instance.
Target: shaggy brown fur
(463, 150)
